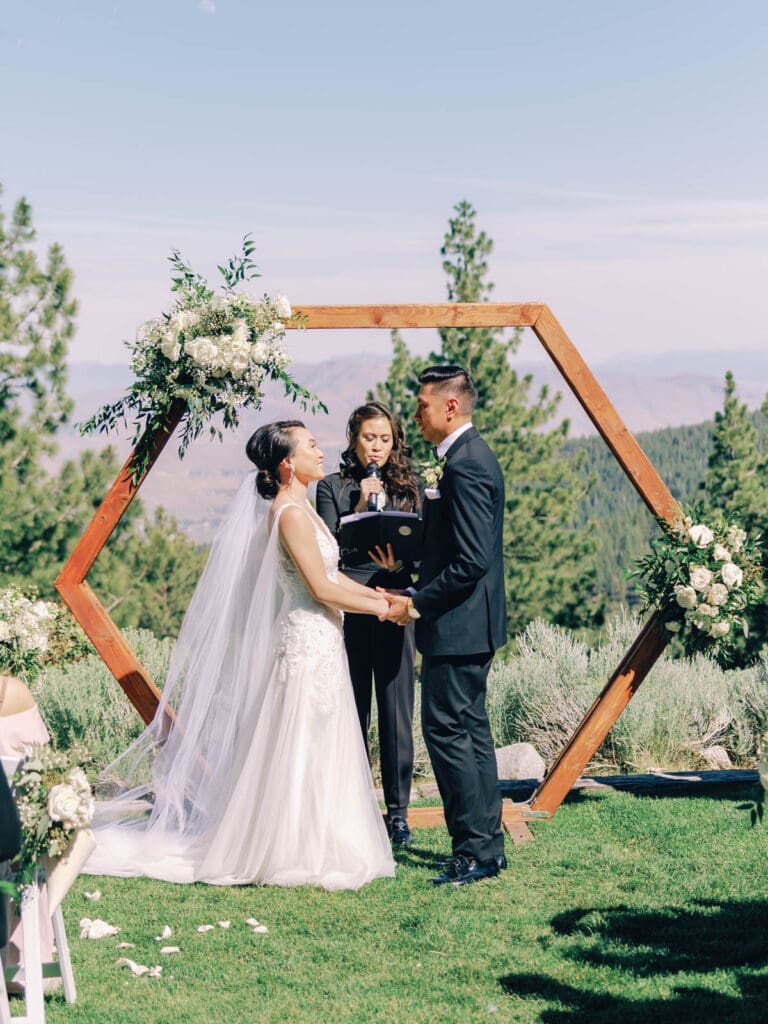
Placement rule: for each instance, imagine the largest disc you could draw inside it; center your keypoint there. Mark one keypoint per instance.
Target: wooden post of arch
(629, 674)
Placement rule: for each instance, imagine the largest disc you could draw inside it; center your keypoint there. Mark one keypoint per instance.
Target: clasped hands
(398, 606)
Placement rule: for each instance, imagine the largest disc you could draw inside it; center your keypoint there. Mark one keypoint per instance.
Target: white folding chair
(31, 975)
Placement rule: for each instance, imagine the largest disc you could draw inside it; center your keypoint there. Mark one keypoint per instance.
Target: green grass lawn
(622, 910)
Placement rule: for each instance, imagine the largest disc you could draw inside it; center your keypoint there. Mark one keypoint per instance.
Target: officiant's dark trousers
(381, 654)
(458, 737)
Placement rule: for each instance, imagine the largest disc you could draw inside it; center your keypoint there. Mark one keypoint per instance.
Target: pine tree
(549, 562)
(147, 571)
(736, 483)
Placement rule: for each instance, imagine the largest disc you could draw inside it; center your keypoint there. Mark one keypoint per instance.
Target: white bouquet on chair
(56, 806)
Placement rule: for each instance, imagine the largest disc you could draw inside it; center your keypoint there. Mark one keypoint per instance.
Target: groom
(460, 615)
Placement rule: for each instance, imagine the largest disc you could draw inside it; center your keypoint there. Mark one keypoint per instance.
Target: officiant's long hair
(400, 481)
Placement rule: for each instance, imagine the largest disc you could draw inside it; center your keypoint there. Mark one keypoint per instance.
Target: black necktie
(434, 451)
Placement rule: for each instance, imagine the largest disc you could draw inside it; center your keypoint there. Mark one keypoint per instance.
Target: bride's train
(264, 776)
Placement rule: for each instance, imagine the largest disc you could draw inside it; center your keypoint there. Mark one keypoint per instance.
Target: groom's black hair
(453, 379)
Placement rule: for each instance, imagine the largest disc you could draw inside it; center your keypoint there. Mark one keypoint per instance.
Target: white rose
(278, 327)
(719, 628)
(63, 803)
(707, 610)
(170, 346)
(673, 627)
(701, 535)
(721, 554)
(203, 351)
(685, 596)
(700, 577)
(731, 575)
(717, 594)
(283, 306)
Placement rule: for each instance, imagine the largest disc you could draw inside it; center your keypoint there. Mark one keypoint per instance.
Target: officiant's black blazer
(337, 496)
(461, 580)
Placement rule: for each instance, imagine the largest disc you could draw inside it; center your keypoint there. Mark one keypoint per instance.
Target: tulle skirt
(299, 807)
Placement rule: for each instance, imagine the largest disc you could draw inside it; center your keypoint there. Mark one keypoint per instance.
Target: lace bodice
(309, 633)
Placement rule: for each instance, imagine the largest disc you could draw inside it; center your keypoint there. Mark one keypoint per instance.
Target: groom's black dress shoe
(500, 859)
(399, 832)
(462, 870)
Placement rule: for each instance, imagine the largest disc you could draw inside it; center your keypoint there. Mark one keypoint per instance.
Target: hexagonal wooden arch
(635, 664)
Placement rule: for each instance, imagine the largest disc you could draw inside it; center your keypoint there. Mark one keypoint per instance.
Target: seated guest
(21, 726)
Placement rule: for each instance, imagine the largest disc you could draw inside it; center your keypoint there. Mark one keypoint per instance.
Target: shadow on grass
(683, 1005)
(707, 936)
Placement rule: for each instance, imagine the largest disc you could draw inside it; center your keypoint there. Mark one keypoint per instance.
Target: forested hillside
(621, 521)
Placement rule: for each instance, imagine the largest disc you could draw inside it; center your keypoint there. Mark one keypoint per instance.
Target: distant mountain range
(649, 392)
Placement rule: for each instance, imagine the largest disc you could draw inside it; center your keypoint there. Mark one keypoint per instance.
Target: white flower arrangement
(24, 627)
(211, 354)
(432, 471)
(702, 577)
(55, 801)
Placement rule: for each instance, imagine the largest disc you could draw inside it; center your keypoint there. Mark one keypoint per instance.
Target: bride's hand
(383, 612)
(385, 561)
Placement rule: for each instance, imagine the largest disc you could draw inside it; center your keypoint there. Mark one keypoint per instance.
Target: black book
(361, 532)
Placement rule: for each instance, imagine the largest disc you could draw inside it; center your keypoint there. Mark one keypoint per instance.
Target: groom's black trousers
(458, 737)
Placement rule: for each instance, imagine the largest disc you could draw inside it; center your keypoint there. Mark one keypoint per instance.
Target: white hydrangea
(736, 537)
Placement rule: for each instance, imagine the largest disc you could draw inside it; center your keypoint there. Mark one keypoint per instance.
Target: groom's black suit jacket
(460, 592)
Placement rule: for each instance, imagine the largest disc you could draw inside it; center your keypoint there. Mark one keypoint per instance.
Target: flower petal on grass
(166, 933)
(165, 950)
(223, 924)
(261, 929)
(205, 927)
(126, 945)
(251, 922)
(95, 895)
(96, 928)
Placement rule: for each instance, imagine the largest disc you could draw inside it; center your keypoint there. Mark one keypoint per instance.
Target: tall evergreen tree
(147, 571)
(549, 560)
(736, 482)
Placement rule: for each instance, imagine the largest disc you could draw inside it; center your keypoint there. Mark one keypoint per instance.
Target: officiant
(376, 474)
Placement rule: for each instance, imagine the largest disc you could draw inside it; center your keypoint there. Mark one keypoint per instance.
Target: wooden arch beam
(140, 688)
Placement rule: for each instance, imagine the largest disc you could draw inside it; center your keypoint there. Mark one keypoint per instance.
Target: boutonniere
(432, 471)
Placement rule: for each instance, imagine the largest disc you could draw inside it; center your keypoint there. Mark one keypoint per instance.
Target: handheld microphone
(373, 471)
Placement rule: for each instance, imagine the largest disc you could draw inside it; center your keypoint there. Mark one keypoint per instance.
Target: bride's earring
(291, 472)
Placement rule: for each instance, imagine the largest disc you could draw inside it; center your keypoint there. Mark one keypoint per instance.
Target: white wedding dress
(263, 777)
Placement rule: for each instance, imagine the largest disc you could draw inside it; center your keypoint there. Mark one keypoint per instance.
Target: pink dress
(17, 732)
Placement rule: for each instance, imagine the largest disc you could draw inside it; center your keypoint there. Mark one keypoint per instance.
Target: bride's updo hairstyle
(266, 449)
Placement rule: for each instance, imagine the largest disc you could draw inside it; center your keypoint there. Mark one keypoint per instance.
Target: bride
(262, 776)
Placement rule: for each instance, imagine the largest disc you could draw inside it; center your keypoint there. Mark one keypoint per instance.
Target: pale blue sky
(615, 151)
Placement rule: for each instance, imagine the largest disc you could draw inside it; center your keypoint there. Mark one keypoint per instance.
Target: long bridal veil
(164, 794)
